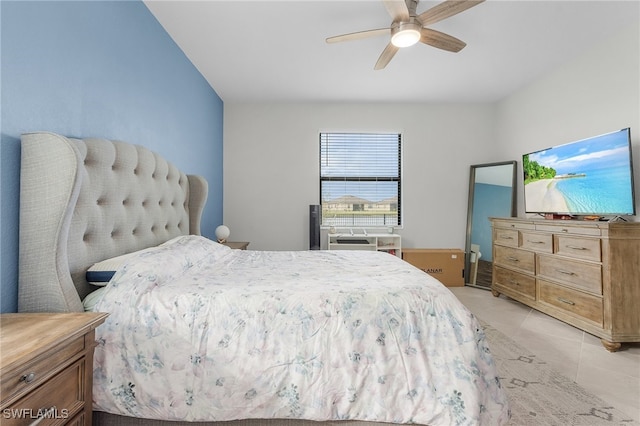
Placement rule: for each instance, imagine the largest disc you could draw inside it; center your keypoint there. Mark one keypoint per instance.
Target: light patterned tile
(543, 323)
(576, 354)
(504, 314)
(562, 354)
(616, 388)
(590, 339)
(625, 361)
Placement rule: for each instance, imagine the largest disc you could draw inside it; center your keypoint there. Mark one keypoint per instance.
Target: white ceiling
(270, 51)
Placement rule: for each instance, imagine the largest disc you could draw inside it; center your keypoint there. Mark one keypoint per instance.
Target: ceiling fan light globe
(405, 38)
(405, 34)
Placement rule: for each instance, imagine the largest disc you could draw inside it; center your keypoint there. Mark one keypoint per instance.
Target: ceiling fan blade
(446, 9)
(386, 56)
(359, 35)
(441, 40)
(397, 9)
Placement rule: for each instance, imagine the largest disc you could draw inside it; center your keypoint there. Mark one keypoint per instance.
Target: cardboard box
(446, 265)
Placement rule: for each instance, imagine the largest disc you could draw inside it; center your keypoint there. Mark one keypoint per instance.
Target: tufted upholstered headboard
(82, 201)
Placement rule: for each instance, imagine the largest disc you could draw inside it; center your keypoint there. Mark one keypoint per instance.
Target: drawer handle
(506, 237)
(514, 282)
(535, 242)
(513, 259)
(568, 302)
(28, 378)
(562, 271)
(576, 247)
(37, 422)
(46, 413)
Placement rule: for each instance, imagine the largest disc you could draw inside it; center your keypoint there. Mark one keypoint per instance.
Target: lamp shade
(222, 233)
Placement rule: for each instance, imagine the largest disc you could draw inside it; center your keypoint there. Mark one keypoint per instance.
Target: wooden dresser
(584, 273)
(46, 368)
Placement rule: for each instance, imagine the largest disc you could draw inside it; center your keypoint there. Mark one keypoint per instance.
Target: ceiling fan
(407, 28)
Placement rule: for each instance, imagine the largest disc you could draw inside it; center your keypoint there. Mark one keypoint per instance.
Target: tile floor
(614, 377)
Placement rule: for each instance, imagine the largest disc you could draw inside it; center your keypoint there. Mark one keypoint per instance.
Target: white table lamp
(222, 233)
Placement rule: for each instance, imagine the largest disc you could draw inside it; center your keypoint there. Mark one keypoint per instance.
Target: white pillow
(92, 298)
(100, 273)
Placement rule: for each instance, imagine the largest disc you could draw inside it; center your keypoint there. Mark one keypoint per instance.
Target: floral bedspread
(201, 332)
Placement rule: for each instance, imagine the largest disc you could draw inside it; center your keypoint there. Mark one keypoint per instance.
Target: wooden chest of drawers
(584, 273)
(46, 366)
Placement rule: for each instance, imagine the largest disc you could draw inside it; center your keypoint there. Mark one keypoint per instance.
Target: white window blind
(360, 179)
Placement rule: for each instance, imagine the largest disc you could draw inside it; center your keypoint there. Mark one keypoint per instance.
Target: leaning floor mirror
(492, 193)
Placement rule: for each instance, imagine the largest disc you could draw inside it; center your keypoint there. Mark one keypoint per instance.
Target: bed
(199, 333)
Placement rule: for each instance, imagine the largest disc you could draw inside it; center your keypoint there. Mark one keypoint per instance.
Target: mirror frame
(472, 182)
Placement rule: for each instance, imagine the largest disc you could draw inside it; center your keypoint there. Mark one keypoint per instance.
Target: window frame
(397, 178)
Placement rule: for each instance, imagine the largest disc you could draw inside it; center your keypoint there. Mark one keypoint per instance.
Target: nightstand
(46, 367)
(241, 245)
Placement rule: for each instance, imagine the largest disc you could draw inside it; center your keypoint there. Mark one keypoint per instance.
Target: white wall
(271, 150)
(271, 167)
(596, 92)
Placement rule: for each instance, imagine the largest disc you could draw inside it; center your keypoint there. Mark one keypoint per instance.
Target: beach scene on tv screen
(592, 176)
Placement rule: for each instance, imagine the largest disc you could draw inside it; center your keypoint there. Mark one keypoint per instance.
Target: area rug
(539, 395)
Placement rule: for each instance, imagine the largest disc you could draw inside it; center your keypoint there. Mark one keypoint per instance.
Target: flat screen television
(592, 176)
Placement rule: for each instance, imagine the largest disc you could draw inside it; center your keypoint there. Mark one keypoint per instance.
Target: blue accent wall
(99, 69)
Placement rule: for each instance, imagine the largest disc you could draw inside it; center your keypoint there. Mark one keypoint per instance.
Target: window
(360, 179)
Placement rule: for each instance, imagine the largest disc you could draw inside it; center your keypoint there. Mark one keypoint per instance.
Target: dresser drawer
(580, 248)
(578, 304)
(511, 224)
(539, 242)
(506, 237)
(580, 275)
(77, 420)
(570, 230)
(515, 281)
(31, 375)
(514, 258)
(60, 398)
